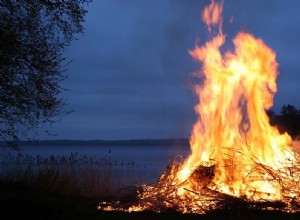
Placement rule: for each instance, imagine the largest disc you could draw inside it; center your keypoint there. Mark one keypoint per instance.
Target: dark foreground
(18, 201)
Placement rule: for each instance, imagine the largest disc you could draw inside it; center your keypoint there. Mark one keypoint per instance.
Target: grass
(18, 201)
(70, 187)
(60, 187)
(72, 174)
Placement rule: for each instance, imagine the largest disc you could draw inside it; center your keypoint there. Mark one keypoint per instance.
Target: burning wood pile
(237, 159)
(199, 193)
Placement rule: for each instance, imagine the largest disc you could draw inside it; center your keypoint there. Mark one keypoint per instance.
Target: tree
(287, 121)
(33, 36)
(289, 110)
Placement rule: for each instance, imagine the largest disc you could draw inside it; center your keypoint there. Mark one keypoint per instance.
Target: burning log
(203, 174)
(202, 177)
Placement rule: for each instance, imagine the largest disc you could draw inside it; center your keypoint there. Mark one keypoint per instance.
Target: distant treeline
(180, 142)
(287, 121)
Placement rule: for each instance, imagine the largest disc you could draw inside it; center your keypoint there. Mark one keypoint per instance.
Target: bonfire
(236, 156)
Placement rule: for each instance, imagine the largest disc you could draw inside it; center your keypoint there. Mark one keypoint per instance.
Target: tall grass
(75, 174)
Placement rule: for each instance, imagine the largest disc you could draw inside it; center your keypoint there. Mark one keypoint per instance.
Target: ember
(237, 157)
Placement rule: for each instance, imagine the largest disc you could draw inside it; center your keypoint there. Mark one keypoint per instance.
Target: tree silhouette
(288, 121)
(33, 36)
(289, 110)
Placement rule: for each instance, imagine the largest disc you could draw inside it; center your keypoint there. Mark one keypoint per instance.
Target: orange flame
(233, 130)
(234, 150)
(212, 15)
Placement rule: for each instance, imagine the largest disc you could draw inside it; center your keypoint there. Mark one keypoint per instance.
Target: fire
(233, 130)
(235, 153)
(212, 15)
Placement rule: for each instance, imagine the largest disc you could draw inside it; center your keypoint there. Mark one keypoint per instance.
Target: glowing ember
(235, 151)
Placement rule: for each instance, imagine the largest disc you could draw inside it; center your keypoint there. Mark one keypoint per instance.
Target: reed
(73, 174)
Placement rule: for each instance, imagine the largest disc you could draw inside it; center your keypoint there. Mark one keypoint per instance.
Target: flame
(212, 15)
(234, 150)
(233, 129)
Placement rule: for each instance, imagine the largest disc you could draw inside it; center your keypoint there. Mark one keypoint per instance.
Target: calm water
(153, 159)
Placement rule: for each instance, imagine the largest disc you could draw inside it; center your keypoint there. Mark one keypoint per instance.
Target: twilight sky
(131, 72)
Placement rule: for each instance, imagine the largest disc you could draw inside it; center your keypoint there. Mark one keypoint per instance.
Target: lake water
(152, 160)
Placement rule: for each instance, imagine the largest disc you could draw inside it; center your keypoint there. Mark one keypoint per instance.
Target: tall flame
(233, 130)
(234, 150)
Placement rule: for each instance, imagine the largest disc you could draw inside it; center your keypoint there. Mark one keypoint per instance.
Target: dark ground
(18, 201)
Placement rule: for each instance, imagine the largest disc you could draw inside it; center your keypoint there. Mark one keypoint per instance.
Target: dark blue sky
(131, 72)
